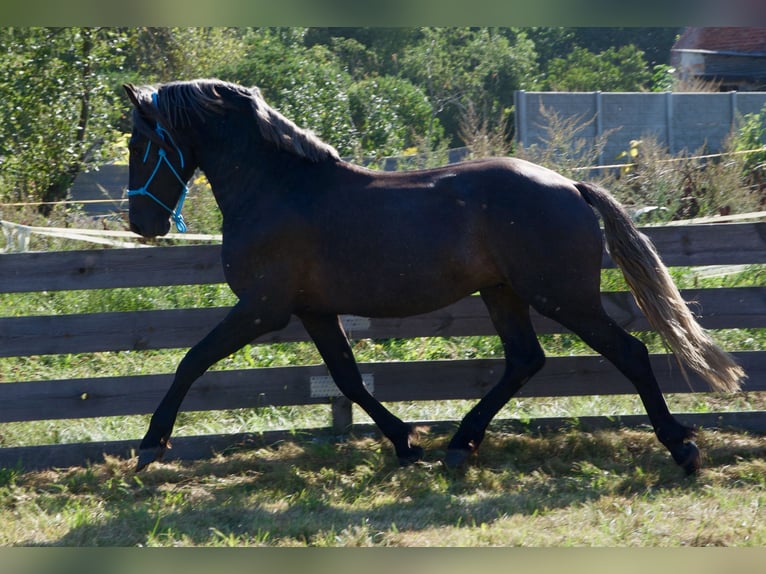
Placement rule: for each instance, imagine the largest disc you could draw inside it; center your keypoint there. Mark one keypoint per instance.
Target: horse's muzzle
(150, 230)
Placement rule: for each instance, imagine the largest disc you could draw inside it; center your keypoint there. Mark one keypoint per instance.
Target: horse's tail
(658, 297)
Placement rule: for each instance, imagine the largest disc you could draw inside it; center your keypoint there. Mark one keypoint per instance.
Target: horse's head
(160, 165)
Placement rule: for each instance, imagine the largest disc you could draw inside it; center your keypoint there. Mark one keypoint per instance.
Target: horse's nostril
(142, 231)
(150, 229)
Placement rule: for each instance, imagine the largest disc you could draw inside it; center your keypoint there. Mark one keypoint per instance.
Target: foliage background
(368, 91)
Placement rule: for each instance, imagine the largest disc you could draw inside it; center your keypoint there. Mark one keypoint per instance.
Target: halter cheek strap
(175, 214)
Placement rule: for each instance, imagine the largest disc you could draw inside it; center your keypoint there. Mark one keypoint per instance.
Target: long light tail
(658, 297)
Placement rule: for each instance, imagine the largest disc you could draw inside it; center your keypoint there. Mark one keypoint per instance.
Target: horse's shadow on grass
(326, 493)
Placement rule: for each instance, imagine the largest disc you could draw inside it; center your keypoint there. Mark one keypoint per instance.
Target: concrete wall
(682, 121)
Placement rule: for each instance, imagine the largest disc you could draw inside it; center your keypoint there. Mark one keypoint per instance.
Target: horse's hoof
(414, 454)
(688, 458)
(146, 456)
(456, 457)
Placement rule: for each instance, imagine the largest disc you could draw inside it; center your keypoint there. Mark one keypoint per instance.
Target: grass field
(572, 488)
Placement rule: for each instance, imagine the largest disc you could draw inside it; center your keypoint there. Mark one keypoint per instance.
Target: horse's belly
(389, 291)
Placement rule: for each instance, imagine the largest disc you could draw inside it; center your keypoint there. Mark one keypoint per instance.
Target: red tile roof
(729, 39)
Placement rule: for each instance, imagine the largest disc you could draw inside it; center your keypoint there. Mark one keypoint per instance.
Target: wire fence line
(676, 159)
(17, 236)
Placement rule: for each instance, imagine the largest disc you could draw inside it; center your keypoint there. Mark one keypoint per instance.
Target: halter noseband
(175, 214)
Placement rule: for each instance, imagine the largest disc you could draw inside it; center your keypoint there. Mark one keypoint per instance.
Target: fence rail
(704, 245)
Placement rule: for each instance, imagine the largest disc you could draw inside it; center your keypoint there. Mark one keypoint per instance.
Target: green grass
(572, 488)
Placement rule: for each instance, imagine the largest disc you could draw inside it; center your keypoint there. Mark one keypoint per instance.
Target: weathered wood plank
(561, 376)
(115, 331)
(109, 268)
(716, 244)
(719, 244)
(129, 395)
(184, 448)
(731, 243)
(395, 381)
(190, 448)
(181, 328)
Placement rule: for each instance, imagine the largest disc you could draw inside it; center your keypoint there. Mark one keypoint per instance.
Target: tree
(167, 54)
(56, 107)
(334, 90)
(654, 42)
(306, 84)
(390, 114)
(551, 43)
(480, 66)
(613, 70)
(368, 90)
(381, 48)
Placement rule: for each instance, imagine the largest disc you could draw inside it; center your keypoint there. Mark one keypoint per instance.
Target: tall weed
(672, 187)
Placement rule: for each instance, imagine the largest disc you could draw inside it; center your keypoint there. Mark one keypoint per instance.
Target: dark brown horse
(307, 234)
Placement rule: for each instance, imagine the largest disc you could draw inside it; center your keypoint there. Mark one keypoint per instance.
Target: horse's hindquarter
(542, 234)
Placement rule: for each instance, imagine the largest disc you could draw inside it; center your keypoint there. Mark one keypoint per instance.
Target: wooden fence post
(342, 416)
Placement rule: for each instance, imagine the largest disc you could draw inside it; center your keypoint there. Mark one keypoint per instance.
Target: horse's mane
(178, 101)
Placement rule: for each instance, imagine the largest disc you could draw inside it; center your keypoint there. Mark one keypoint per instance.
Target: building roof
(732, 40)
(733, 56)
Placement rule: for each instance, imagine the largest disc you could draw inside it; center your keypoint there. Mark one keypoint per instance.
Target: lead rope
(175, 214)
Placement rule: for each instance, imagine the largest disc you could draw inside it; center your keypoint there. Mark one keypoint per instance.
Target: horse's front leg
(332, 343)
(241, 325)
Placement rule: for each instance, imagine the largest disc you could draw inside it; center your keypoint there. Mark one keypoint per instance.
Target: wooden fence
(700, 245)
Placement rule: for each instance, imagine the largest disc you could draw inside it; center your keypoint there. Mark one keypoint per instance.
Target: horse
(310, 235)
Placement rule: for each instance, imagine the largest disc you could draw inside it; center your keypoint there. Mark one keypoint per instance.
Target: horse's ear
(132, 92)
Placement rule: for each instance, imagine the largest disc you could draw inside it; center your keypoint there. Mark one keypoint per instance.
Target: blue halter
(175, 214)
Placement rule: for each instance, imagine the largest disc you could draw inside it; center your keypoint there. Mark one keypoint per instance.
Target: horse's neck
(239, 183)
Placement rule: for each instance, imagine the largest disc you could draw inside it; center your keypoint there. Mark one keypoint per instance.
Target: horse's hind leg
(332, 343)
(631, 357)
(523, 358)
